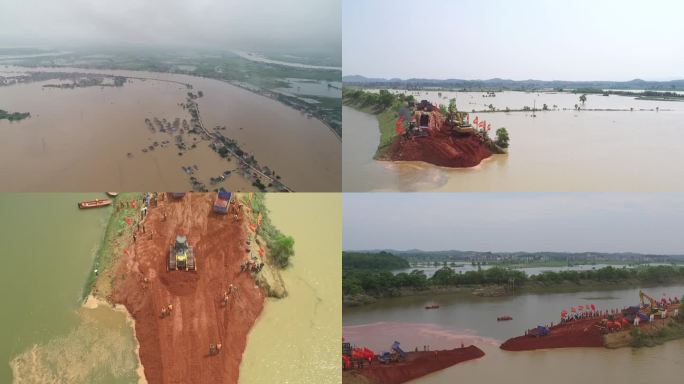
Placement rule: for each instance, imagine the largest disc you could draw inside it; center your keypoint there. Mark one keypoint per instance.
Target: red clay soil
(455, 151)
(418, 364)
(580, 333)
(175, 349)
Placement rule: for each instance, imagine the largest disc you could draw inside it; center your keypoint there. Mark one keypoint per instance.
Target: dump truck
(222, 202)
(538, 332)
(181, 256)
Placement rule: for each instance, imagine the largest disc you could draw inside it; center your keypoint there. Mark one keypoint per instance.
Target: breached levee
(446, 141)
(416, 364)
(434, 134)
(176, 347)
(576, 334)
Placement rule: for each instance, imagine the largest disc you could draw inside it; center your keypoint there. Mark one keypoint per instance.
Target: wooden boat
(433, 306)
(112, 194)
(94, 203)
(504, 318)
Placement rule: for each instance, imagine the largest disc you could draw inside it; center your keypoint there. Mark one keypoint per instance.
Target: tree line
(379, 283)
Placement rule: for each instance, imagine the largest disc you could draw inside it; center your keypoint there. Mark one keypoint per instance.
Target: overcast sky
(238, 24)
(610, 222)
(521, 39)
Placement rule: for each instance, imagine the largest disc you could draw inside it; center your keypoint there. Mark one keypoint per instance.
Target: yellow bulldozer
(181, 256)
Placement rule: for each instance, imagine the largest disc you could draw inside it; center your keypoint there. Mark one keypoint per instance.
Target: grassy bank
(359, 284)
(111, 246)
(673, 330)
(483, 290)
(384, 111)
(280, 246)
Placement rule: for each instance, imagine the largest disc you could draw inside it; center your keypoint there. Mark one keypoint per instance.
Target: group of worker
(232, 289)
(166, 311)
(252, 266)
(214, 349)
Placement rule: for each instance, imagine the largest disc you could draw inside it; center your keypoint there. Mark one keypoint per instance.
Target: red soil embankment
(418, 364)
(439, 148)
(582, 333)
(175, 349)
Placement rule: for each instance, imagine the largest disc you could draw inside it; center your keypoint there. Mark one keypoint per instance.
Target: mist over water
(297, 25)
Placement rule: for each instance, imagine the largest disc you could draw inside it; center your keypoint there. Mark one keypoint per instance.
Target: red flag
(475, 121)
(468, 118)
(400, 125)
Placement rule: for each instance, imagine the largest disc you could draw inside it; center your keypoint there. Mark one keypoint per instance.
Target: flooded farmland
(617, 143)
(96, 137)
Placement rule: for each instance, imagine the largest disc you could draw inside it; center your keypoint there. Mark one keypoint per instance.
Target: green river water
(48, 246)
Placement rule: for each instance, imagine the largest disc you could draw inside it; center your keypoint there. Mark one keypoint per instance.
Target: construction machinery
(649, 305)
(222, 202)
(540, 331)
(181, 256)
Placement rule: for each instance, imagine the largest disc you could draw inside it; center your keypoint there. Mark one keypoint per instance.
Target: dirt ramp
(180, 283)
(175, 348)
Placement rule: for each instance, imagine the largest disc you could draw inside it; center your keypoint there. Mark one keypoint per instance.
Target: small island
(14, 116)
(421, 131)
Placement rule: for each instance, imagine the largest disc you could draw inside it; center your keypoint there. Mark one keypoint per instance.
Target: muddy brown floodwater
(78, 139)
(558, 150)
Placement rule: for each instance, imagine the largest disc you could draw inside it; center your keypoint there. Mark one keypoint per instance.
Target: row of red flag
(480, 124)
(580, 308)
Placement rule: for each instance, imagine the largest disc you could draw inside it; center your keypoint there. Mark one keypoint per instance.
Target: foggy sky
(238, 24)
(524, 39)
(572, 222)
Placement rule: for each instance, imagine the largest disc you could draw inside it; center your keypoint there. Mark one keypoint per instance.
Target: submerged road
(251, 167)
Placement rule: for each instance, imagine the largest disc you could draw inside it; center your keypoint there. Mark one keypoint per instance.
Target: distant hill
(507, 84)
(380, 260)
(419, 256)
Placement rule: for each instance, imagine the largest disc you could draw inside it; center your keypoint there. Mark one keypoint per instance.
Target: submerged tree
(502, 137)
(452, 106)
(583, 98)
(282, 248)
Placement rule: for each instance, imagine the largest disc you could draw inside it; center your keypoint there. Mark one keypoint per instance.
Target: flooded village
(169, 136)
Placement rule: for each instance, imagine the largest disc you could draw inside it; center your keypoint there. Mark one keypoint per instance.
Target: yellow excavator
(650, 305)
